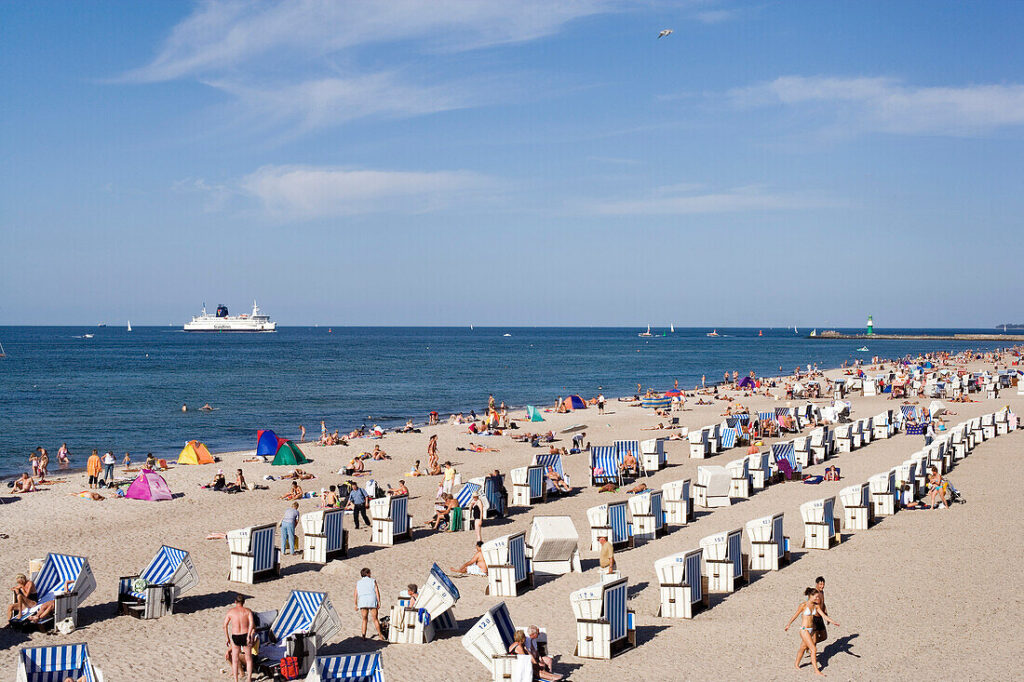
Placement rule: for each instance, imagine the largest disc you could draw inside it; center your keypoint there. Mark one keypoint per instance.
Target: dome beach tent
(289, 455)
(284, 452)
(195, 452)
(149, 485)
(574, 402)
(533, 414)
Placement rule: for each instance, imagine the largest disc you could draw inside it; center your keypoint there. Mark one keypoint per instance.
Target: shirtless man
(24, 596)
(476, 565)
(820, 633)
(557, 480)
(628, 463)
(239, 627)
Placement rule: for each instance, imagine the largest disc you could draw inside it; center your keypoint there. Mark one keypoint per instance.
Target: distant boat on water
(87, 336)
(129, 325)
(714, 333)
(646, 333)
(863, 349)
(506, 335)
(672, 328)
(814, 333)
(102, 324)
(3, 353)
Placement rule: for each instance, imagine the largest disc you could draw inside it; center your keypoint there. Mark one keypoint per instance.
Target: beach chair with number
(681, 585)
(604, 465)
(63, 579)
(820, 523)
(604, 623)
(769, 546)
(304, 624)
(609, 521)
(507, 567)
(433, 611)
(724, 563)
(152, 593)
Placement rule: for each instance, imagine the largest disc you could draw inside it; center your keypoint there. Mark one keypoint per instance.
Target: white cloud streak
(310, 192)
(686, 199)
(888, 105)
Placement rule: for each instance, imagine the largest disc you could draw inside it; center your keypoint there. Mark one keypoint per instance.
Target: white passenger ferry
(222, 322)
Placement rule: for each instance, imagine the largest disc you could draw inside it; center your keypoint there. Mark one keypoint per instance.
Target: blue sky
(402, 162)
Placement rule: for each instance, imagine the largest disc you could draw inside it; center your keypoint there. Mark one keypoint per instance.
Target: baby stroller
(954, 494)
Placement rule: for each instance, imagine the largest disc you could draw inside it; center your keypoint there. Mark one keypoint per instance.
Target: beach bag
(290, 667)
(66, 626)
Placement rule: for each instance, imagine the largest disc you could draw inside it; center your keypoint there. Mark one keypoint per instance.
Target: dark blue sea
(123, 391)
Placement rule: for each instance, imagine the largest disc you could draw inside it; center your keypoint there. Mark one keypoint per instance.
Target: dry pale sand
(921, 594)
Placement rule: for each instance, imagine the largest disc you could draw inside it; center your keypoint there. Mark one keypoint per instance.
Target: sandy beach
(921, 594)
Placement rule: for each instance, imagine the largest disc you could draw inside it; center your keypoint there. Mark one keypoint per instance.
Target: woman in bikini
(937, 489)
(806, 612)
(433, 466)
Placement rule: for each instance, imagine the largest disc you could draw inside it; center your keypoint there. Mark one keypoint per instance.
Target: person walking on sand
(606, 557)
(291, 517)
(239, 629)
(820, 632)
(433, 468)
(367, 600)
(806, 612)
(44, 463)
(449, 477)
(600, 403)
(476, 515)
(302, 433)
(357, 498)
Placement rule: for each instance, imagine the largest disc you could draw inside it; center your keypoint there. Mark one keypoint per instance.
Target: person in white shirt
(108, 467)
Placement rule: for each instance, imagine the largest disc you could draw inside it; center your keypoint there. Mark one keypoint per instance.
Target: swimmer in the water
(184, 408)
(206, 408)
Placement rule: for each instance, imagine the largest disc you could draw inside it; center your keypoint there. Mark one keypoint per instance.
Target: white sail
(672, 328)
(129, 325)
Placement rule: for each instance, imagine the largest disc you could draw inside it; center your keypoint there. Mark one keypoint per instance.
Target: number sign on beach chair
(724, 563)
(491, 638)
(303, 625)
(604, 465)
(254, 553)
(552, 546)
(528, 485)
(323, 535)
(389, 520)
(366, 667)
(507, 570)
(604, 623)
(739, 471)
(681, 585)
(648, 516)
(64, 580)
(820, 523)
(152, 593)
(676, 500)
(609, 521)
(769, 546)
(433, 611)
(56, 664)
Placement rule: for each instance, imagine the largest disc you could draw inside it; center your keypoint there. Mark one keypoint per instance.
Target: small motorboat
(714, 333)
(646, 333)
(863, 349)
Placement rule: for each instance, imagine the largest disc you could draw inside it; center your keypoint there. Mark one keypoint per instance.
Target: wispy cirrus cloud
(688, 199)
(310, 192)
(888, 105)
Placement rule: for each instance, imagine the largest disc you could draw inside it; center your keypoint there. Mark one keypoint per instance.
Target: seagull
(664, 33)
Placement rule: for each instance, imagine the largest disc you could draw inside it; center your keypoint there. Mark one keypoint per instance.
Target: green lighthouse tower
(871, 325)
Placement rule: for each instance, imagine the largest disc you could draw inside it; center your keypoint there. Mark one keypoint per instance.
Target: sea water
(124, 391)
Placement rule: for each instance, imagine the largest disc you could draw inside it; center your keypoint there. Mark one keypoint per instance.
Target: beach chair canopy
(170, 565)
(574, 402)
(533, 414)
(492, 635)
(149, 485)
(349, 668)
(306, 612)
(61, 574)
(55, 663)
(195, 452)
(289, 455)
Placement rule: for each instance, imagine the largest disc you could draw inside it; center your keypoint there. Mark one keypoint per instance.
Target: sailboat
(714, 333)
(795, 330)
(3, 354)
(129, 325)
(814, 333)
(672, 328)
(646, 333)
(470, 327)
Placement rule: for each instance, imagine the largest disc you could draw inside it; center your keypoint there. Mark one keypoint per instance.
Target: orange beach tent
(195, 452)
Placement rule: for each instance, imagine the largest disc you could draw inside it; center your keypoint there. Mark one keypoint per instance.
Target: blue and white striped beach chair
(633, 446)
(434, 611)
(604, 623)
(648, 515)
(465, 497)
(610, 521)
(507, 567)
(389, 519)
(323, 535)
(66, 581)
(528, 485)
(767, 423)
(254, 553)
(785, 451)
(554, 461)
(605, 459)
(819, 523)
(56, 664)
(723, 561)
(729, 435)
(304, 624)
(368, 667)
(681, 587)
(490, 639)
(495, 498)
(153, 592)
(769, 548)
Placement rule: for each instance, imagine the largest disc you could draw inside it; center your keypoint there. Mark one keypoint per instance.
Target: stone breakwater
(830, 335)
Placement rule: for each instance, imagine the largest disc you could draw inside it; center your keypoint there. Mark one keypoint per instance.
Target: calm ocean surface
(123, 391)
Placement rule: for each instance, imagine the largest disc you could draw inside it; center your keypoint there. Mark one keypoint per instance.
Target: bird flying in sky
(664, 33)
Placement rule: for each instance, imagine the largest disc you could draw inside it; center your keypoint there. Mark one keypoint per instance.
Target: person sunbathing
(25, 484)
(480, 448)
(659, 427)
(401, 489)
(295, 493)
(89, 495)
(45, 610)
(628, 463)
(937, 489)
(415, 471)
(476, 564)
(557, 480)
(378, 453)
(24, 596)
(638, 488)
(299, 475)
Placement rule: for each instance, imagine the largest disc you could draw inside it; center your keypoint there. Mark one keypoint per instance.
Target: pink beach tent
(149, 485)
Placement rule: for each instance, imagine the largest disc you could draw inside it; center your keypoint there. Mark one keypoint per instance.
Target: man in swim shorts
(820, 633)
(239, 627)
